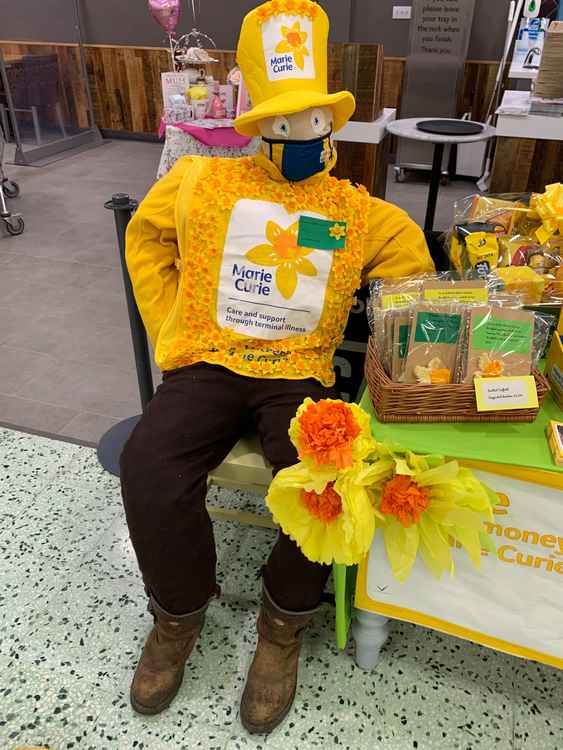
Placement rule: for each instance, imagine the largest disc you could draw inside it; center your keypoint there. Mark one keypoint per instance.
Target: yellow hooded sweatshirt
(233, 265)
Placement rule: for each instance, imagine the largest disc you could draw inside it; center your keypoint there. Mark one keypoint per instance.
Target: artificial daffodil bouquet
(347, 487)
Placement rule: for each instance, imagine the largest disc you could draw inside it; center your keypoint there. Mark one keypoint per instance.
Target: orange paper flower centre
(404, 499)
(326, 507)
(328, 430)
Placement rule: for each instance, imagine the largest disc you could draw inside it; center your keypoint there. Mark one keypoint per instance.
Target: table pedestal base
(370, 632)
(435, 179)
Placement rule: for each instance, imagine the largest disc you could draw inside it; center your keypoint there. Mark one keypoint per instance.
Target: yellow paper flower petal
(301, 475)
(402, 467)
(435, 545)
(470, 541)
(435, 566)
(438, 475)
(347, 538)
(377, 472)
(402, 546)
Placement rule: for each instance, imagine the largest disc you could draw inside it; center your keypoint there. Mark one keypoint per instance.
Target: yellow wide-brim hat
(282, 54)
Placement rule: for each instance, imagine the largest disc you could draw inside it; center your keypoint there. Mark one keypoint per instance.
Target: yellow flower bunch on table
(428, 506)
(347, 486)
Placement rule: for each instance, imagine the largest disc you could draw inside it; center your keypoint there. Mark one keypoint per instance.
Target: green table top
(513, 443)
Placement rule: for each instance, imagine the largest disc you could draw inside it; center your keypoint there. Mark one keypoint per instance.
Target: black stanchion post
(123, 207)
(111, 444)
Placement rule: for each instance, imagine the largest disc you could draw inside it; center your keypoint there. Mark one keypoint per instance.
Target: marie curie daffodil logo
(294, 41)
(337, 231)
(283, 253)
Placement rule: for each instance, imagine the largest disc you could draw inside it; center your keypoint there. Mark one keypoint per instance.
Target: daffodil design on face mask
(294, 42)
(283, 253)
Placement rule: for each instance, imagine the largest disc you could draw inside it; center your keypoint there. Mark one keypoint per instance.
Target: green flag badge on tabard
(321, 234)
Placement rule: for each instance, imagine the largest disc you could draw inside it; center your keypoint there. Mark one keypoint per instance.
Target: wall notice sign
(441, 27)
(498, 394)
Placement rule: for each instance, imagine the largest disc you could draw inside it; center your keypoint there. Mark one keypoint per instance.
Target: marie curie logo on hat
(288, 47)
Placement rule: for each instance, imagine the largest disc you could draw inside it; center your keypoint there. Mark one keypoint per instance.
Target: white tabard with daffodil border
(269, 287)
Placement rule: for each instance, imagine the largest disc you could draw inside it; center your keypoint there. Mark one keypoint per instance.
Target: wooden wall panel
(523, 164)
(393, 78)
(362, 73)
(365, 164)
(125, 86)
(477, 88)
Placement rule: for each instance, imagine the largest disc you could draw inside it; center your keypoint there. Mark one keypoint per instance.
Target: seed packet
(500, 343)
(401, 334)
(387, 297)
(433, 344)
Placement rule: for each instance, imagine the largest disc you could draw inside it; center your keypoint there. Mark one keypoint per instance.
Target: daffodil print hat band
(282, 53)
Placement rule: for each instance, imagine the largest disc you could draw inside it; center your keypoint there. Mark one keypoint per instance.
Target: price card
(455, 294)
(498, 394)
(404, 299)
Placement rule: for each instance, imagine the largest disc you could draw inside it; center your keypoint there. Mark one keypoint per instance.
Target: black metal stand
(111, 444)
(435, 179)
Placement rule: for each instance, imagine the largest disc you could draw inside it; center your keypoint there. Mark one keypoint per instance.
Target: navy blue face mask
(298, 160)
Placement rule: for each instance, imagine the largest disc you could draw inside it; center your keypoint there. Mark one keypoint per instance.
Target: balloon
(166, 13)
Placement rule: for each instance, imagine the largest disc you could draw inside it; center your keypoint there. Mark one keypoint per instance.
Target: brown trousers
(195, 418)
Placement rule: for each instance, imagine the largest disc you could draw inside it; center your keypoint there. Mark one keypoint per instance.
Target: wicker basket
(405, 402)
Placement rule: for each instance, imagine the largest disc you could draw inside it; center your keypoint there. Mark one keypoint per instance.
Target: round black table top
(450, 127)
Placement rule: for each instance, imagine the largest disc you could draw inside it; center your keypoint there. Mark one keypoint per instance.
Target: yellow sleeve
(395, 245)
(152, 249)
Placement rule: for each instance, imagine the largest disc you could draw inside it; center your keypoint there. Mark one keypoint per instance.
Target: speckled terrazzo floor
(73, 618)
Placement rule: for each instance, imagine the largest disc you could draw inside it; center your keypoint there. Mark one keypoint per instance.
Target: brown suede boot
(160, 671)
(272, 679)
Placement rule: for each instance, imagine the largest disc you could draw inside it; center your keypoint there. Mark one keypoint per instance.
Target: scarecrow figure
(245, 271)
